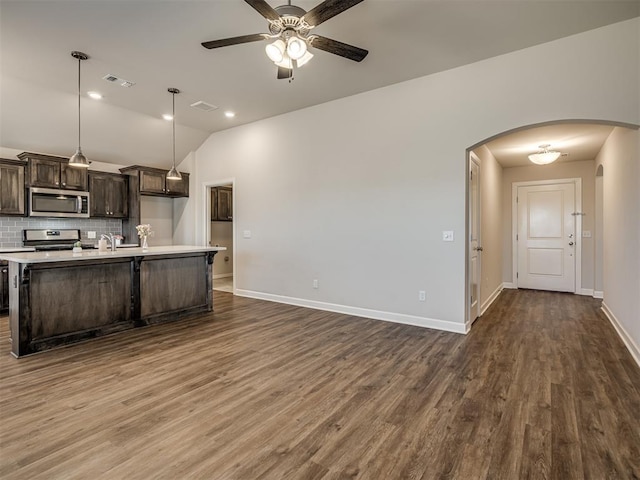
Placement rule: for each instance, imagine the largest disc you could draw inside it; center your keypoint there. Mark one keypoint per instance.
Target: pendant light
(78, 159)
(173, 173)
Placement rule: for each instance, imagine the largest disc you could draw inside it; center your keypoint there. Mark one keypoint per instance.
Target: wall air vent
(204, 106)
(121, 81)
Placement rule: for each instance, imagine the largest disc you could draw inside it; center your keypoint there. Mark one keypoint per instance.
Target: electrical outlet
(91, 234)
(315, 283)
(422, 296)
(447, 236)
(246, 234)
(586, 234)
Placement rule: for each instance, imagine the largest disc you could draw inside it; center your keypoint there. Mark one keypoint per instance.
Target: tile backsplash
(11, 227)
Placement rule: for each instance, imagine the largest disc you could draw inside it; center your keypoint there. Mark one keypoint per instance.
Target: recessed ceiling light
(229, 114)
(94, 95)
(167, 116)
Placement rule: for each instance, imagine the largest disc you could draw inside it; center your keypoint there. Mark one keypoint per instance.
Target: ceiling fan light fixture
(275, 51)
(305, 58)
(296, 47)
(544, 157)
(286, 62)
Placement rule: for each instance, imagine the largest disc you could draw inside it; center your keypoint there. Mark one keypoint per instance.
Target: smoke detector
(121, 81)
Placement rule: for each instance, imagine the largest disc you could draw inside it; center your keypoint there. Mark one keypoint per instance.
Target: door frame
(577, 182)
(473, 158)
(206, 190)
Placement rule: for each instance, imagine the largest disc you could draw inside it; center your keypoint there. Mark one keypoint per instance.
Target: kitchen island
(61, 297)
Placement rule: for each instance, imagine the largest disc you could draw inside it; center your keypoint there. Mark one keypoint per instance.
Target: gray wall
(620, 158)
(360, 196)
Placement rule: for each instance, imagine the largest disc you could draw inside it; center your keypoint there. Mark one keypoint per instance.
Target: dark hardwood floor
(542, 387)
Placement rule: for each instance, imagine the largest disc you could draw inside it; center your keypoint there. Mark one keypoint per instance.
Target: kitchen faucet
(111, 239)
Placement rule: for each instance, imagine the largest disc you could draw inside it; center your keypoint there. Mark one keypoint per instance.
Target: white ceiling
(579, 141)
(157, 45)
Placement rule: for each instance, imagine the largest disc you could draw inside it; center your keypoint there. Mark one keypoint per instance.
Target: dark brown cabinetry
(109, 195)
(12, 187)
(222, 204)
(149, 181)
(4, 286)
(153, 181)
(54, 172)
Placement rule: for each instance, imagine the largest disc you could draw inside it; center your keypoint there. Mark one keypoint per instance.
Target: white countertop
(89, 254)
(16, 249)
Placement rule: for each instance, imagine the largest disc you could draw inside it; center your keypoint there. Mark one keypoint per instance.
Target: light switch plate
(586, 234)
(447, 236)
(246, 234)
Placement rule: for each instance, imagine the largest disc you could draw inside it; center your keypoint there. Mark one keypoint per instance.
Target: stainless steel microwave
(51, 202)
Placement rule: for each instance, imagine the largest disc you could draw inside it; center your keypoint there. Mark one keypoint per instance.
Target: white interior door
(474, 239)
(546, 237)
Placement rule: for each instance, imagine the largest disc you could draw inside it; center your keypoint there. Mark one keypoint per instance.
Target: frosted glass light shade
(296, 48)
(305, 58)
(275, 51)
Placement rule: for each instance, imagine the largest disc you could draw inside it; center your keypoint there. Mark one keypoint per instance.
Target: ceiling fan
(290, 27)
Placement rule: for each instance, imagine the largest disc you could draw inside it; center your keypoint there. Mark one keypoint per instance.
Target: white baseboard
(491, 299)
(586, 291)
(222, 275)
(509, 285)
(626, 338)
(598, 294)
(425, 322)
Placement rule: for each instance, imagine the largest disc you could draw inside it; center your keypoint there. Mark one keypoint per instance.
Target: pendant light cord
(79, 60)
(173, 122)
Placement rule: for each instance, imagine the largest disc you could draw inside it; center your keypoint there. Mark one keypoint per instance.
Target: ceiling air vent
(204, 106)
(121, 81)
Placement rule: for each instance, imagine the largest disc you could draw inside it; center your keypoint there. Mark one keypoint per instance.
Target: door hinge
(517, 275)
(471, 176)
(517, 199)
(517, 237)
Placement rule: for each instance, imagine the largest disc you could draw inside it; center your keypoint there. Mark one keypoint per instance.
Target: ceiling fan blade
(264, 9)
(328, 9)
(225, 42)
(338, 48)
(284, 73)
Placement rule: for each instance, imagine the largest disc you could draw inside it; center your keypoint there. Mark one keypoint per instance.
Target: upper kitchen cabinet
(221, 204)
(54, 172)
(109, 195)
(12, 187)
(153, 181)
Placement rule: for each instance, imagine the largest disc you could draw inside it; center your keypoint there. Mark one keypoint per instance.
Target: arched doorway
(503, 161)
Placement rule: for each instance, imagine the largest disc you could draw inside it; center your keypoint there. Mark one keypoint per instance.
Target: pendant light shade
(174, 174)
(78, 159)
(544, 157)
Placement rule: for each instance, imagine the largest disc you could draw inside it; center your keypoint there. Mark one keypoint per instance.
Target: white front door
(546, 237)
(474, 239)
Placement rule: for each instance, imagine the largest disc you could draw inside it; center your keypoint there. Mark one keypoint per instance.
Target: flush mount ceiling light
(95, 95)
(544, 157)
(229, 114)
(167, 116)
(174, 174)
(290, 34)
(78, 159)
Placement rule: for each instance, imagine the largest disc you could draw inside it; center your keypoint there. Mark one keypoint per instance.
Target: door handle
(571, 244)
(479, 249)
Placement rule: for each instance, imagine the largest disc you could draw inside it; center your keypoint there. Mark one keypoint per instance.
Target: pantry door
(546, 236)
